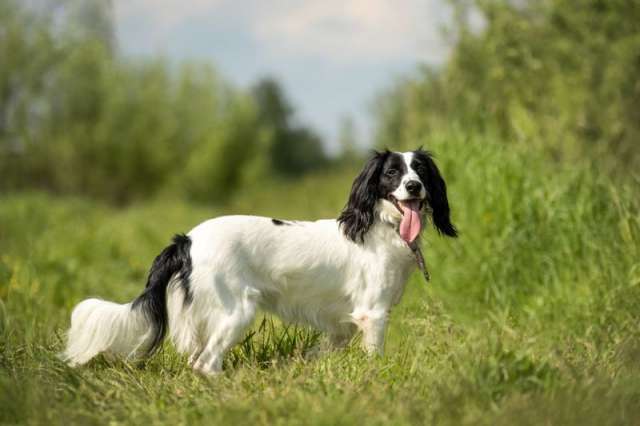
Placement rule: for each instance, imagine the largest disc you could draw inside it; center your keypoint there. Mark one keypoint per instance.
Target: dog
(338, 276)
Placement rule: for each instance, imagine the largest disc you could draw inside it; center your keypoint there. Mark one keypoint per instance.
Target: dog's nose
(413, 187)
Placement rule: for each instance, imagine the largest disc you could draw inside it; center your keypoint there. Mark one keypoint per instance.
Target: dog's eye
(421, 170)
(391, 172)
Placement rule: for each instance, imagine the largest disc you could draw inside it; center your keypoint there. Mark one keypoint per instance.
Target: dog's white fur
(305, 272)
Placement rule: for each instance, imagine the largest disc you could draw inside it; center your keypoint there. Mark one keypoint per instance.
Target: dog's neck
(383, 233)
(388, 215)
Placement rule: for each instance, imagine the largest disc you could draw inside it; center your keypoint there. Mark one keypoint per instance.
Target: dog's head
(401, 188)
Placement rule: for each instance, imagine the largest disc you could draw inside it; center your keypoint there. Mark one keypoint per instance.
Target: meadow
(531, 316)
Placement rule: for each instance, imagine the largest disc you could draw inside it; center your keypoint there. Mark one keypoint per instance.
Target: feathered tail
(133, 329)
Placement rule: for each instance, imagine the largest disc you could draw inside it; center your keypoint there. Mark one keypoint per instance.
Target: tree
(293, 149)
(93, 20)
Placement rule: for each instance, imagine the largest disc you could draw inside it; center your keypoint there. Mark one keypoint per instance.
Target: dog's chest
(388, 266)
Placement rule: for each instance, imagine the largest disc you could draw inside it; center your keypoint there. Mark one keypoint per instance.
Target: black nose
(413, 187)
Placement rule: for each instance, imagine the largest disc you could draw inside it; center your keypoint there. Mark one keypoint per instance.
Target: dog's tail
(132, 329)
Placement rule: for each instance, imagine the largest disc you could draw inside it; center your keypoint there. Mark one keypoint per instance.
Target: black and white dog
(336, 275)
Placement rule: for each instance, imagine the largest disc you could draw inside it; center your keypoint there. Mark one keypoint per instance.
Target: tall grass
(531, 315)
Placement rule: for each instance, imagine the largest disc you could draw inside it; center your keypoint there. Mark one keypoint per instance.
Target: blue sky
(332, 56)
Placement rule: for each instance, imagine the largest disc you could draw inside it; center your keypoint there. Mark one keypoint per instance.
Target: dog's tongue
(410, 225)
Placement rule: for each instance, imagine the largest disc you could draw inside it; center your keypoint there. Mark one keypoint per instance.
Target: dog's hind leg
(224, 329)
(185, 324)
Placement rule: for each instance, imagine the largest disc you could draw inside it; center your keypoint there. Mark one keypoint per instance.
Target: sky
(331, 56)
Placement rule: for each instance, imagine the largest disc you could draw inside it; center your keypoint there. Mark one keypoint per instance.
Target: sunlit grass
(531, 316)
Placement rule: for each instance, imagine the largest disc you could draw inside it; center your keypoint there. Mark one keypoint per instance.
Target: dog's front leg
(373, 324)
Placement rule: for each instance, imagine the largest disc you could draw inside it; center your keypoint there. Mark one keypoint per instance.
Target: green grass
(531, 317)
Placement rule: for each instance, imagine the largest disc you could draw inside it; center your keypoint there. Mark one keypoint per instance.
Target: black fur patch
(393, 170)
(358, 215)
(174, 260)
(430, 176)
(279, 222)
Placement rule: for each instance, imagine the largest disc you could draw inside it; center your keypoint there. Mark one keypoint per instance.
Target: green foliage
(561, 75)
(77, 119)
(531, 315)
(293, 149)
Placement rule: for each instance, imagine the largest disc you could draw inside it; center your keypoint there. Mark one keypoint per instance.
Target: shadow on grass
(272, 343)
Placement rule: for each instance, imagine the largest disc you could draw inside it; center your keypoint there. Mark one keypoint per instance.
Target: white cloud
(331, 55)
(354, 30)
(340, 31)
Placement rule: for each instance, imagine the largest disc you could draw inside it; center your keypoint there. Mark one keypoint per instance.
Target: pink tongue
(410, 225)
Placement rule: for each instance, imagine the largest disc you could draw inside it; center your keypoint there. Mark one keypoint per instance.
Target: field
(531, 316)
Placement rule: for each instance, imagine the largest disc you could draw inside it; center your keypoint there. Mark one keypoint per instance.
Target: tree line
(77, 118)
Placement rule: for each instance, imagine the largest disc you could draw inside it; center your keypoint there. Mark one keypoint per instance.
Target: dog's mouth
(411, 223)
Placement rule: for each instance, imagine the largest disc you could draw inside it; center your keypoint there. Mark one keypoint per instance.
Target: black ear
(359, 213)
(436, 195)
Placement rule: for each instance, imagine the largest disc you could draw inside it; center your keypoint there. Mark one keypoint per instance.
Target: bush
(560, 75)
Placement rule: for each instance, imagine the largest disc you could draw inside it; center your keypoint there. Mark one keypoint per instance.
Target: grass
(531, 317)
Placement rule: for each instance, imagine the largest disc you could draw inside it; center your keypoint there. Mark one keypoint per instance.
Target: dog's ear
(436, 194)
(359, 213)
